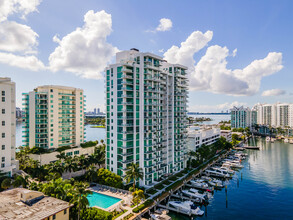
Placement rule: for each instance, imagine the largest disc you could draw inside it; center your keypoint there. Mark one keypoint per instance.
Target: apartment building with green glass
(146, 99)
(54, 117)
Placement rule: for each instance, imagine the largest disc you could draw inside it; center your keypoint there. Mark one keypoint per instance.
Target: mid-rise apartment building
(8, 164)
(146, 99)
(275, 115)
(202, 136)
(240, 117)
(54, 117)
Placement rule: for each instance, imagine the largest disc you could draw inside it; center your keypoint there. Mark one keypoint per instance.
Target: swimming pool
(101, 200)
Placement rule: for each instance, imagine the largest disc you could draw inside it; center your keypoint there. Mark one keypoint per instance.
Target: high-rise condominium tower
(54, 117)
(7, 126)
(146, 115)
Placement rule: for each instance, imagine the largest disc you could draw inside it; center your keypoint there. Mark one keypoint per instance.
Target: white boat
(200, 185)
(225, 169)
(268, 139)
(273, 140)
(291, 141)
(187, 206)
(286, 140)
(232, 164)
(193, 193)
(217, 173)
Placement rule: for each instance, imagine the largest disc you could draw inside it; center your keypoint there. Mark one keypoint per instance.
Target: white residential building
(227, 134)
(54, 117)
(275, 115)
(8, 163)
(146, 101)
(199, 136)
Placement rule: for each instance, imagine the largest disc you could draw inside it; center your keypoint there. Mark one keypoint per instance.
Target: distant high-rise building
(146, 100)
(8, 164)
(18, 112)
(54, 117)
(95, 111)
(275, 115)
(98, 111)
(240, 117)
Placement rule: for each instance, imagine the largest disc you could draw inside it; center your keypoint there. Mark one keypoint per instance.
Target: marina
(263, 184)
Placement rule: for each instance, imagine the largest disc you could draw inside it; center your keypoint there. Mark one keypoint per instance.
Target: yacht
(217, 173)
(193, 193)
(200, 184)
(286, 140)
(225, 169)
(268, 139)
(232, 164)
(187, 206)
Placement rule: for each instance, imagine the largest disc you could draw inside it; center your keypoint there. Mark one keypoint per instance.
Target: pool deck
(126, 198)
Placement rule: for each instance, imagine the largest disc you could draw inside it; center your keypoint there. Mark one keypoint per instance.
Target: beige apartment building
(54, 117)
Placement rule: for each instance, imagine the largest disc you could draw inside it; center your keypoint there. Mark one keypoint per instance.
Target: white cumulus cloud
(165, 24)
(21, 7)
(274, 92)
(184, 54)
(211, 72)
(85, 51)
(17, 37)
(25, 62)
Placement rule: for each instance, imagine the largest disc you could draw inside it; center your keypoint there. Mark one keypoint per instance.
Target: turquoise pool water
(101, 200)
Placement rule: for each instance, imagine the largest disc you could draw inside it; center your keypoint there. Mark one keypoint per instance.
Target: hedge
(143, 206)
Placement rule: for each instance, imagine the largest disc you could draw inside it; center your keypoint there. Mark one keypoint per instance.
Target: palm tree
(137, 196)
(61, 156)
(56, 168)
(80, 196)
(70, 165)
(91, 173)
(134, 172)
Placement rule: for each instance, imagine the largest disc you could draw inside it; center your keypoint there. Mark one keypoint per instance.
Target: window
(3, 159)
(3, 99)
(3, 147)
(54, 217)
(51, 96)
(3, 135)
(65, 211)
(3, 93)
(3, 111)
(51, 90)
(3, 123)
(2, 165)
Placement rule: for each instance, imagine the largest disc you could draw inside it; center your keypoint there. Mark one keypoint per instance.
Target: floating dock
(252, 147)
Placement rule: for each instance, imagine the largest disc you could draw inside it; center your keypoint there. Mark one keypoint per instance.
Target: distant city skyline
(238, 53)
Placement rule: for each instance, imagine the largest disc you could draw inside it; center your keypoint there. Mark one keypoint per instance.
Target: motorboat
(193, 193)
(200, 184)
(224, 169)
(286, 140)
(187, 206)
(217, 173)
(232, 164)
(268, 139)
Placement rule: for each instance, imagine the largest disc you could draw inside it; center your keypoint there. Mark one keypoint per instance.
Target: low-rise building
(227, 134)
(47, 158)
(20, 203)
(199, 136)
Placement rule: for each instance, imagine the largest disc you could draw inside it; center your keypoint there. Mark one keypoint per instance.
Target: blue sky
(254, 28)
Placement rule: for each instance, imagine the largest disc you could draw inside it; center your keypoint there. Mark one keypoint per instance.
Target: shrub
(95, 214)
(159, 186)
(143, 206)
(38, 150)
(89, 144)
(60, 149)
